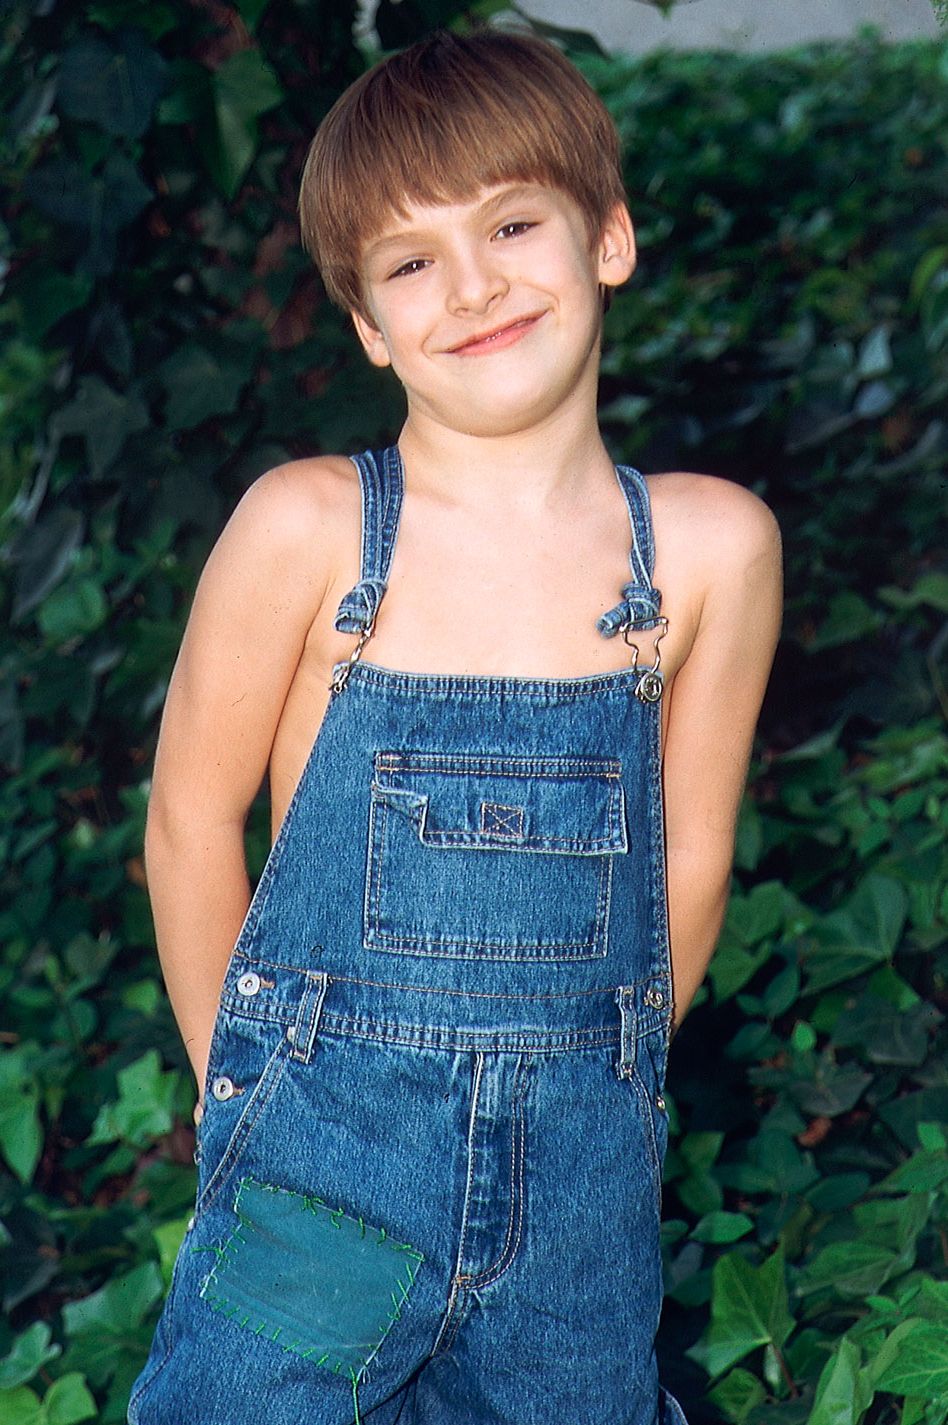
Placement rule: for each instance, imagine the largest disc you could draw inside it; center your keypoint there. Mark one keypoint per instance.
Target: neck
(552, 464)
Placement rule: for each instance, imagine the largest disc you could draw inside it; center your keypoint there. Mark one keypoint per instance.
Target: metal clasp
(340, 675)
(648, 689)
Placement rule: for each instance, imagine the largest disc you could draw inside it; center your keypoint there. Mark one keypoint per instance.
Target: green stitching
(224, 1308)
(313, 1203)
(355, 1395)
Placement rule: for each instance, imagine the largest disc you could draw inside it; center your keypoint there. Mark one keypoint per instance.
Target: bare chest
(517, 603)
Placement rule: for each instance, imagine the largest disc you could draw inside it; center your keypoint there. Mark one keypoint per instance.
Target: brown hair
(439, 121)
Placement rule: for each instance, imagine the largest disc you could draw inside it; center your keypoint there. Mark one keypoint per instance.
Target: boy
(431, 1143)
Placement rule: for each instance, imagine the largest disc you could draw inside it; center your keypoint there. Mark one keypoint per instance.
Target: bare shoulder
(300, 500)
(716, 533)
(290, 526)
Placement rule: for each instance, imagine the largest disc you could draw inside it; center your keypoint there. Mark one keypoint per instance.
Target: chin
(518, 412)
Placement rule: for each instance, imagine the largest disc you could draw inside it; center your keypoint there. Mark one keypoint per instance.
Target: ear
(373, 342)
(616, 248)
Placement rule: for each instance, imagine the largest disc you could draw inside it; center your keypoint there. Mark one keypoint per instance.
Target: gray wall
(634, 26)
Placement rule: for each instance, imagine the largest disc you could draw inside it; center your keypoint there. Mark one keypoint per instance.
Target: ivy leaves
(167, 342)
(113, 83)
(224, 105)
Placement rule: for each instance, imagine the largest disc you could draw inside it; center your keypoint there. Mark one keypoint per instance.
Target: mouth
(496, 338)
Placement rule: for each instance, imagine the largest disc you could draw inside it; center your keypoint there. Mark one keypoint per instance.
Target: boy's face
(489, 310)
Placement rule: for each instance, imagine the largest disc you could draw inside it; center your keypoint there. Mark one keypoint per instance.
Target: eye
(414, 264)
(513, 229)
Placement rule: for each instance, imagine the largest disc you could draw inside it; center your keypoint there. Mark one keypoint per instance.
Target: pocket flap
(562, 805)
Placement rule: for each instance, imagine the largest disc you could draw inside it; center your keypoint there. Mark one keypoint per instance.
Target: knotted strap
(358, 608)
(641, 602)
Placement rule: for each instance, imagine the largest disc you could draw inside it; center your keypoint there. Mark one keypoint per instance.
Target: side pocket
(649, 1080)
(236, 1101)
(645, 1015)
(268, 1015)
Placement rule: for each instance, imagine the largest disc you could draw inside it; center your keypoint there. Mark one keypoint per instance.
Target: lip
(497, 338)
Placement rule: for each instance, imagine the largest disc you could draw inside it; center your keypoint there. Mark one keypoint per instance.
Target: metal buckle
(649, 687)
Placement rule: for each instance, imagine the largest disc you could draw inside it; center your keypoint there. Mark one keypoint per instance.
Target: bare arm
(715, 702)
(252, 610)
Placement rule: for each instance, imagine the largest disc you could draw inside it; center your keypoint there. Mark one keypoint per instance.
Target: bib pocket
(498, 858)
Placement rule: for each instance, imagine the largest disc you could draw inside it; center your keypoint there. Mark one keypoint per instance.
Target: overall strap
(640, 601)
(382, 481)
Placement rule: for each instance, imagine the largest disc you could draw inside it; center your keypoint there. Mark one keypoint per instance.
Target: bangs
(438, 123)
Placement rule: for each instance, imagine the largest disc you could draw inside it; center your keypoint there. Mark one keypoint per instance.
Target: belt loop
(303, 1032)
(625, 999)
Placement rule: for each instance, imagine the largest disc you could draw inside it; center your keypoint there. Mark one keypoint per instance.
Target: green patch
(311, 1278)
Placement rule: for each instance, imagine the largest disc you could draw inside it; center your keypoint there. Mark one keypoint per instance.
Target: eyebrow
(515, 193)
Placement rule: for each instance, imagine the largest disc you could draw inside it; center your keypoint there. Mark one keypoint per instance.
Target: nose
(475, 281)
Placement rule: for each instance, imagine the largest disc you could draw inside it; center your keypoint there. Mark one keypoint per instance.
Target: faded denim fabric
(430, 1161)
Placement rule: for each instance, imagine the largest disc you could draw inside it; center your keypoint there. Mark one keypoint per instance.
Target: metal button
(660, 1103)
(222, 1088)
(654, 997)
(248, 984)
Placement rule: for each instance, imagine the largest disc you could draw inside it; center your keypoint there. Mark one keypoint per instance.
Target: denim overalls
(430, 1161)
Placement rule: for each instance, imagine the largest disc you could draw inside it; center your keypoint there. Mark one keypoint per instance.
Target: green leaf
(107, 1330)
(45, 294)
(929, 266)
(875, 354)
(31, 1350)
(923, 1172)
(930, 588)
(243, 88)
(144, 1110)
(251, 10)
(803, 1038)
(97, 205)
(21, 1407)
(850, 1269)
(21, 1138)
(201, 382)
(844, 1392)
(839, 1190)
(932, 1300)
(68, 1400)
(722, 1227)
(932, 1136)
(41, 555)
(113, 85)
(169, 1237)
(737, 1395)
(104, 418)
(73, 610)
(754, 917)
(862, 933)
(904, 1114)
(849, 619)
(732, 967)
(122, 1303)
(749, 1308)
(920, 1365)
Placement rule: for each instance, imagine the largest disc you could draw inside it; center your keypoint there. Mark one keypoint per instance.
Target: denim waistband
(310, 1001)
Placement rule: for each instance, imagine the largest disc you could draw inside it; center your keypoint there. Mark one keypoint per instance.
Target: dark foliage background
(165, 341)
